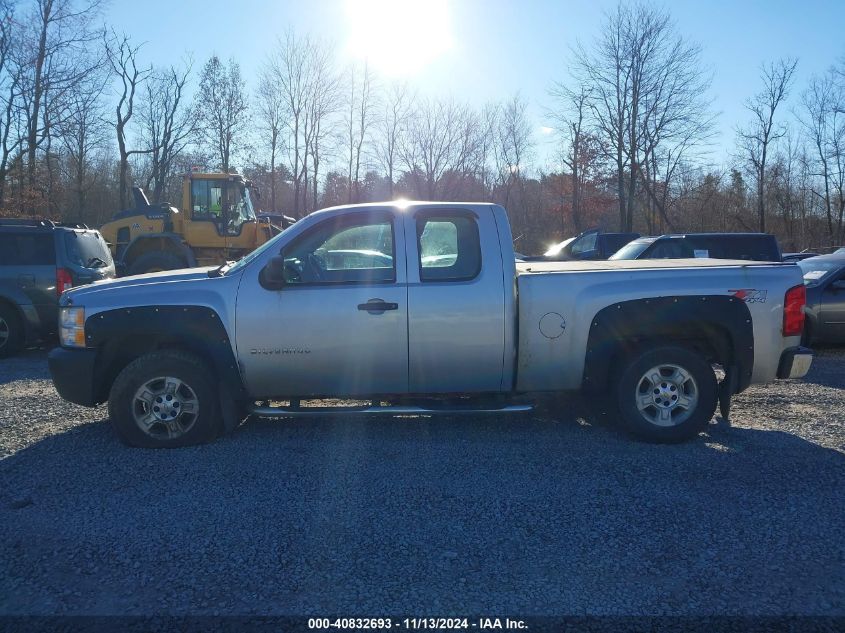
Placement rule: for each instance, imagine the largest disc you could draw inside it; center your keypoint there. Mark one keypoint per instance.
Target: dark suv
(39, 260)
(761, 247)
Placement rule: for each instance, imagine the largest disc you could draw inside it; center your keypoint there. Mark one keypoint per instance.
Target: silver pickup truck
(420, 307)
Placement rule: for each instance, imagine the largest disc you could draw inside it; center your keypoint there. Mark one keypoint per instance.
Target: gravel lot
(553, 513)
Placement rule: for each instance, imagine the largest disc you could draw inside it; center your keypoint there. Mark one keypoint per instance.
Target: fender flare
(121, 335)
(722, 323)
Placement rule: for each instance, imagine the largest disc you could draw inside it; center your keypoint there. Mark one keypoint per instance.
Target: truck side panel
(556, 310)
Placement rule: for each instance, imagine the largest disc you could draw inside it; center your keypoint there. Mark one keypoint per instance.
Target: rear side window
(17, 249)
(449, 247)
(755, 248)
(670, 249)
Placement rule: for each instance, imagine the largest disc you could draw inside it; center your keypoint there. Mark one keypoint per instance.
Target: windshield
(815, 270)
(557, 248)
(87, 249)
(240, 206)
(631, 250)
(246, 259)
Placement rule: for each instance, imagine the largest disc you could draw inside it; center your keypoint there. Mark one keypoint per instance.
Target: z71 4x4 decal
(750, 295)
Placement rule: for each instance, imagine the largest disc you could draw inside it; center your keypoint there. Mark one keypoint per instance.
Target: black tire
(156, 261)
(203, 427)
(12, 333)
(683, 423)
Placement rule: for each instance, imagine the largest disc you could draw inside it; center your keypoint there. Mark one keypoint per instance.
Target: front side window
(206, 199)
(449, 248)
(343, 251)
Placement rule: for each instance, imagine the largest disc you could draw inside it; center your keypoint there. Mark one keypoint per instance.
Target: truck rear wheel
(156, 261)
(165, 399)
(11, 332)
(666, 394)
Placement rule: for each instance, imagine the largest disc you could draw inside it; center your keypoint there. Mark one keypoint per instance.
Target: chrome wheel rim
(4, 332)
(165, 408)
(666, 395)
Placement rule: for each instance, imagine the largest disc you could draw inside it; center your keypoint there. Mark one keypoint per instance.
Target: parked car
(760, 247)
(792, 258)
(40, 259)
(183, 356)
(592, 244)
(824, 277)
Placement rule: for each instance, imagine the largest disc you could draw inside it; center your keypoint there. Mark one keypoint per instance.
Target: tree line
(83, 117)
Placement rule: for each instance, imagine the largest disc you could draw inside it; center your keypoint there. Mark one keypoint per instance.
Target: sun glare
(398, 37)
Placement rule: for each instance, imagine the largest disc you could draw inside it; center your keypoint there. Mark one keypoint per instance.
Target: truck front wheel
(164, 399)
(666, 394)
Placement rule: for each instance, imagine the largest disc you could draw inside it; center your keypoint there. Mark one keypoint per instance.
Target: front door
(339, 326)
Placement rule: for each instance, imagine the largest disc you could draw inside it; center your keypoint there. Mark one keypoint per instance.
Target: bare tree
(288, 67)
(222, 108)
(271, 119)
(123, 59)
(391, 125)
(571, 115)
(433, 144)
(646, 89)
(323, 103)
(61, 33)
(359, 120)
(756, 138)
(11, 72)
(168, 123)
(83, 133)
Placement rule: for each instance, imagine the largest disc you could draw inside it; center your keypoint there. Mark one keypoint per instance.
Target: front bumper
(795, 362)
(72, 371)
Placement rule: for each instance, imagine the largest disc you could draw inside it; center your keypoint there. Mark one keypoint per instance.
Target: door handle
(377, 306)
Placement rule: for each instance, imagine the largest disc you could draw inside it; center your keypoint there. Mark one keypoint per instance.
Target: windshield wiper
(219, 272)
(94, 260)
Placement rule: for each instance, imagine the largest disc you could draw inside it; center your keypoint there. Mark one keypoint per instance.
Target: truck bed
(572, 293)
(635, 264)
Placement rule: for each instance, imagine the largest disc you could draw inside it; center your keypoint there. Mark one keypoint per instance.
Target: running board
(285, 412)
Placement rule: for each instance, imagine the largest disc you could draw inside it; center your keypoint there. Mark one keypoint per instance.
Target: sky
(487, 50)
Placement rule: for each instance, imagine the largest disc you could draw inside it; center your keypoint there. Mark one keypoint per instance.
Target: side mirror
(272, 276)
(593, 254)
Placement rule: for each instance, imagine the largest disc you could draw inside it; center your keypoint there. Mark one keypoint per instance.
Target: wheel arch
(120, 336)
(719, 327)
(29, 322)
(153, 242)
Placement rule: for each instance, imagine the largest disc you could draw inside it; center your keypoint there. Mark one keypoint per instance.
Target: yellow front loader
(216, 223)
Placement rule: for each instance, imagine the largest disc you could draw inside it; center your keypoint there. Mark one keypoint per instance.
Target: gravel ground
(552, 513)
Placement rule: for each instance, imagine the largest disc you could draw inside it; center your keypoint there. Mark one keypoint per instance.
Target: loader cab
(221, 200)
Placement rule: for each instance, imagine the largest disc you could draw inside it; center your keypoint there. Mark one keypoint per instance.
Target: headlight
(72, 327)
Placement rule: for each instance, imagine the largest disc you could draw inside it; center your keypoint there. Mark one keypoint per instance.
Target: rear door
(456, 302)
(28, 260)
